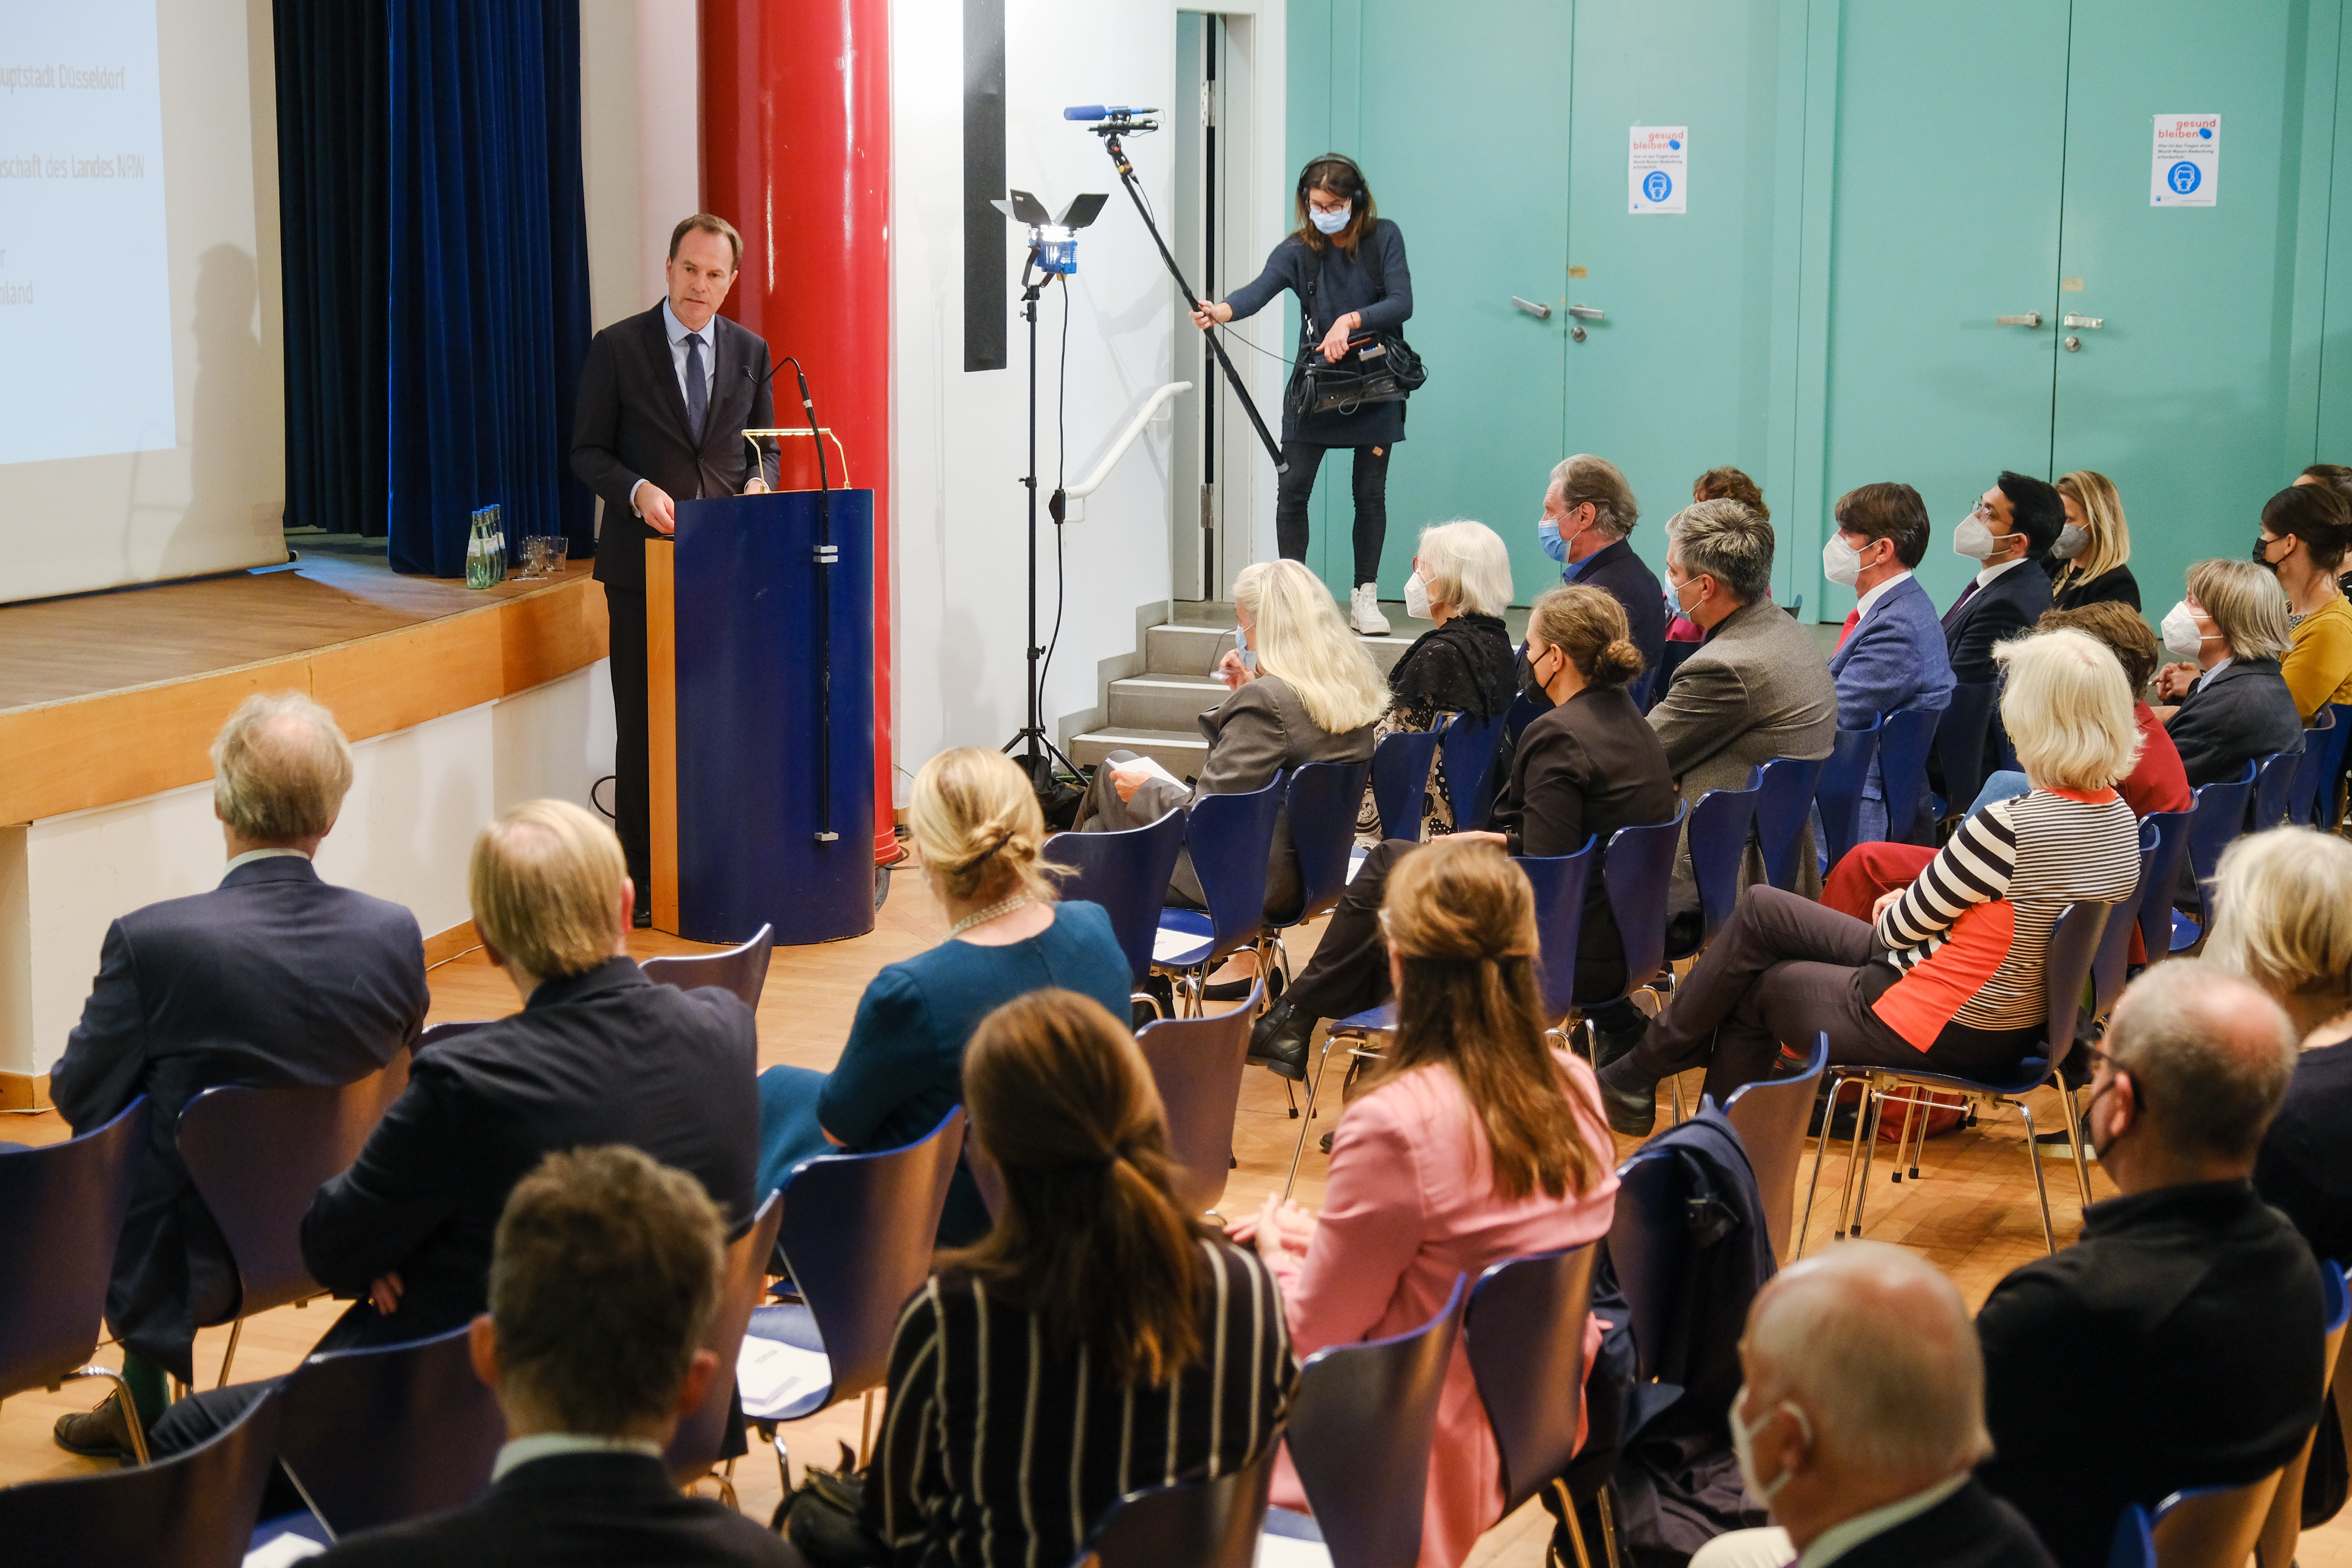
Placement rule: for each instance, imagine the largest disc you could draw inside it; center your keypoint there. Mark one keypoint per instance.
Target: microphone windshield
(1090, 111)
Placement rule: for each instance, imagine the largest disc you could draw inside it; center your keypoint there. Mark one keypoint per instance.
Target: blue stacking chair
(2211, 1524)
(1361, 1426)
(858, 1231)
(2135, 1546)
(1196, 1064)
(1960, 745)
(1401, 768)
(1637, 870)
(1670, 659)
(2274, 780)
(1770, 1115)
(1194, 1525)
(2073, 943)
(375, 1437)
(1784, 805)
(1649, 1247)
(1523, 1333)
(2214, 824)
(1904, 740)
(2283, 1526)
(1232, 839)
(2111, 964)
(1839, 792)
(1324, 800)
(257, 1156)
(1720, 825)
(1468, 749)
(61, 1208)
(693, 1447)
(2155, 913)
(2327, 804)
(2312, 767)
(742, 970)
(1126, 873)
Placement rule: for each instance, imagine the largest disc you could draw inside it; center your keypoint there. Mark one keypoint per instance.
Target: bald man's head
(2208, 1054)
(1876, 1346)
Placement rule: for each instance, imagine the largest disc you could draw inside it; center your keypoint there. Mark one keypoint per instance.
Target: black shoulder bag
(1383, 369)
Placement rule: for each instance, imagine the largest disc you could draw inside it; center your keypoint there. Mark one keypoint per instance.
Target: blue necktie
(698, 395)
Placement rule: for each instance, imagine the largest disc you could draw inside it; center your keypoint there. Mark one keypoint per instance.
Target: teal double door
(1893, 211)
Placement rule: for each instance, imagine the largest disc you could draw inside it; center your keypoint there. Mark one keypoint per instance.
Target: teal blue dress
(902, 1070)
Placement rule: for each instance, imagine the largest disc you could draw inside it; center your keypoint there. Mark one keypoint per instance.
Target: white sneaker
(1364, 610)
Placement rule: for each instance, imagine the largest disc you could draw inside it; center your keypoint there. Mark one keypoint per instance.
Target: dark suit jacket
(1591, 765)
(2007, 605)
(605, 1057)
(1632, 585)
(274, 977)
(1970, 1529)
(2177, 1344)
(631, 425)
(574, 1511)
(2233, 716)
(2115, 585)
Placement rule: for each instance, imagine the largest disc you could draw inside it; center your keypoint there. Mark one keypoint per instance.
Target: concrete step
(1193, 650)
(1181, 752)
(1162, 702)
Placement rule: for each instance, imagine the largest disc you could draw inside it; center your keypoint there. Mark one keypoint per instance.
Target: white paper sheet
(283, 1550)
(774, 1376)
(1170, 945)
(1288, 1552)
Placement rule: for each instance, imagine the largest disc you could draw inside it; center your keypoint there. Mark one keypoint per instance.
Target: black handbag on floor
(825, 1518)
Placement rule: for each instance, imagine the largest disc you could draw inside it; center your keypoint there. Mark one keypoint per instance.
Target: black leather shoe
(1611, 1045)
(1278, 1042)
(1629, 1096)
(100, 1433)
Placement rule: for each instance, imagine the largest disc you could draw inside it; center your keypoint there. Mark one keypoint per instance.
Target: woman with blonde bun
(976, 825)
(2283, 918)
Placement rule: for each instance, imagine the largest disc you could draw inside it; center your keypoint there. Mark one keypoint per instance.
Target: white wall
(640, 143)
(417, 797)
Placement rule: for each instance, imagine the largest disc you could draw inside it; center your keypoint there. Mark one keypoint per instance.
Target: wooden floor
(1972, 1214)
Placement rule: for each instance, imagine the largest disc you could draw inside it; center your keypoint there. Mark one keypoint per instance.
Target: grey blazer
(1756, 690)
(1257, 731)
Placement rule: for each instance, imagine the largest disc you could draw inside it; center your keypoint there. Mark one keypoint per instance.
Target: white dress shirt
(260, 854)
(1864, 605)
(1839, 1538)
(1987, 574)
(676, 330)
(547, 1445)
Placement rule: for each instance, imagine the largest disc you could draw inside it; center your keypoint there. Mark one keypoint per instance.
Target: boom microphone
(1102, 112)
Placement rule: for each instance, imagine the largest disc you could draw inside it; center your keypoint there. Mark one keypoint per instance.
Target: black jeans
(1296, 483)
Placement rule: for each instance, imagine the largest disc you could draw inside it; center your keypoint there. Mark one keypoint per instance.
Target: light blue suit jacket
(1896, 658)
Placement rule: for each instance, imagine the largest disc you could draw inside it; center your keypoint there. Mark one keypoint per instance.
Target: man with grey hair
(2178, 1343)
(273, 977)
(1861, 1418)
(1587, 511)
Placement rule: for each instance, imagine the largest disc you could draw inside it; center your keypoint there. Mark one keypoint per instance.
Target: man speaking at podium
(664, 399)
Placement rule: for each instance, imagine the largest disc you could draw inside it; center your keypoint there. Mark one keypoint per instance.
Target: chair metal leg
(1920, 1139)
(1575, 1529)
(1608, 1527)
(1853, 1152)
(1307, 1122)
(864, 1435)
(2041, 1192)
(122, 1397)
(1813, 1187)
(1865, 1127)
(783, 1461)
(1903, 1145)
(1158, 1012)
(229, 1358)
(1677, 1081)
(2075, 1139)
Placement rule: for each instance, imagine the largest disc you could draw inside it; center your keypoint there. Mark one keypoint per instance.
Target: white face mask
(1743, 1434)
(1416, 598)
(1548, 535)
(1974, 539)
(1242, 647)
(2072, 541)
(1330, 222)
(1841, 561)
(2182, 637)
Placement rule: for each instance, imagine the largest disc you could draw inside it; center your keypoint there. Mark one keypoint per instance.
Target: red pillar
(796, 154)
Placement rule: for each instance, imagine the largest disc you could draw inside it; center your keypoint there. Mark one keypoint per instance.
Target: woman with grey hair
(1461, 581)
(2235, 706)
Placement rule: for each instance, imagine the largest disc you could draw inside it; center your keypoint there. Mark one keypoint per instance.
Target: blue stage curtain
(489, 294)
(334, 227)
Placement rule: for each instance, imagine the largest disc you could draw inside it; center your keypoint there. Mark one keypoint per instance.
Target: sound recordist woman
(1346, 263)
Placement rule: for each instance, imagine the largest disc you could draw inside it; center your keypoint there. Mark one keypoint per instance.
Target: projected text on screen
(85, 278)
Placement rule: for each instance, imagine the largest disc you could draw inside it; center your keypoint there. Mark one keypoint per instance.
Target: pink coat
(1410, 1203)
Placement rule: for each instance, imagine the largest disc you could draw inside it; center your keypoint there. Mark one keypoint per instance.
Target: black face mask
(1529, 687)
(2262, 557)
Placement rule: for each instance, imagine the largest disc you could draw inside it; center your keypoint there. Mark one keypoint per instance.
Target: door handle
(1588, 313)
(2093, 321)
(2031, 319)
(1540, 311)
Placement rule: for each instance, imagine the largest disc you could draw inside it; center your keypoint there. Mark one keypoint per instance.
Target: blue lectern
(762, 746)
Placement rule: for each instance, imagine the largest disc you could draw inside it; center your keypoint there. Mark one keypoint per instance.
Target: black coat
(574, 1511)
(605, 1057)
(274, 977)
(1970, 1529)
(1630, 581)
(2176, 1344)
(2234, 716)
(1985, 617)
(2305, 1169)
(630, 425)
(1463, 667)
(2115, 585)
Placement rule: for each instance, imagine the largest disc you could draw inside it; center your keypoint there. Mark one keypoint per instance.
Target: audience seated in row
(976, 824)
(2283, 919)
(1589, 511)
(1462, 581)
(2015, 523)
(2232, 705)
(1947, 973)
(598, 1055)
(2088, 563)
(1587, 767)
(1096, 1341)
(1891, 653)
(1473, 1142)
(1719, 483)
(1861, 1420)
(2306, 531)
(274, 977)
(605, 1280)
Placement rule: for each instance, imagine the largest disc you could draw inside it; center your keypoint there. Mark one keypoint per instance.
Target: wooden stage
(108, 697)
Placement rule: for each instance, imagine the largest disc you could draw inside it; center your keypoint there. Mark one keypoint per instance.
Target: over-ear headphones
(1355, 191)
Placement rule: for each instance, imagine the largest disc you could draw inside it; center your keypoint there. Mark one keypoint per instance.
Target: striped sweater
(1968, 939)
(996, 1453)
